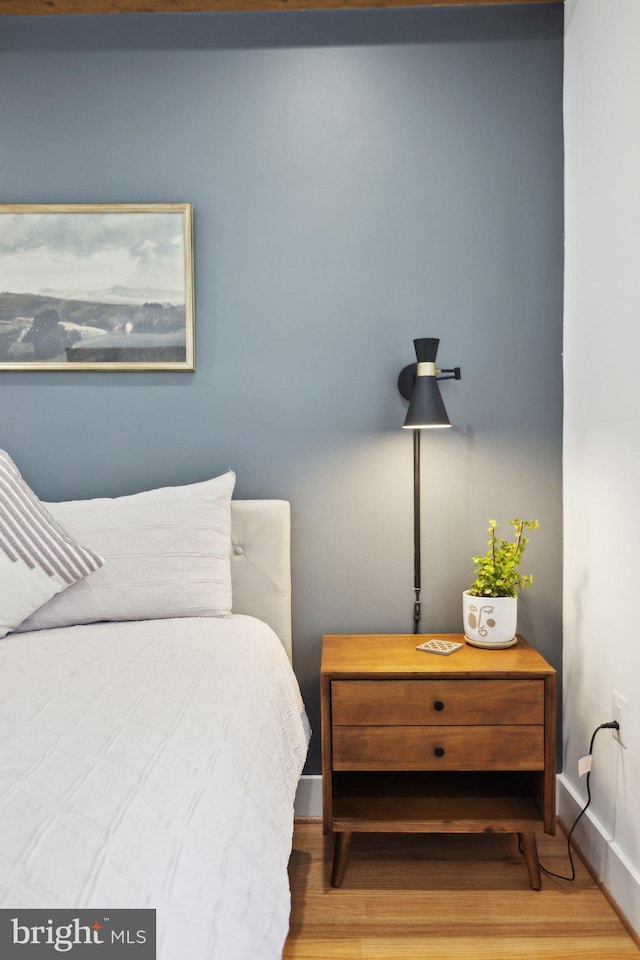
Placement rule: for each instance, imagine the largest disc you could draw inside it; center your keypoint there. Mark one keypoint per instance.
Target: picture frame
(96, 286)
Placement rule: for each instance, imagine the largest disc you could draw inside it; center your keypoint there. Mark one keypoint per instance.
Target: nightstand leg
(340, 857)
(530, 850)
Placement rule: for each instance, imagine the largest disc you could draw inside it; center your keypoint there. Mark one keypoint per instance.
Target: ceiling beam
(59, 7)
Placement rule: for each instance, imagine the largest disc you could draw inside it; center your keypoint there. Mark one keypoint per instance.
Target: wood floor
(453, 897)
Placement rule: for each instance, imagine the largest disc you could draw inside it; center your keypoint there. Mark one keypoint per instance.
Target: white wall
(602, 431)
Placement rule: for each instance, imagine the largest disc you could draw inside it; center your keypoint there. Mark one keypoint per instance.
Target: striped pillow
(37, 558)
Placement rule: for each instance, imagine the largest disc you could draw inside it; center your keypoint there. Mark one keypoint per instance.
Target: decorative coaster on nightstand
(443, 647)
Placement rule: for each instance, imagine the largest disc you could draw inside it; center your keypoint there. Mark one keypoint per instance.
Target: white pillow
(167, 552)
(38, 559)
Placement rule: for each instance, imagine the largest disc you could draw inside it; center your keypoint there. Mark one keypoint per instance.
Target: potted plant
(490, 605)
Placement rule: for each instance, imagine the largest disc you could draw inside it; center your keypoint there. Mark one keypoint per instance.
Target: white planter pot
(490, 621)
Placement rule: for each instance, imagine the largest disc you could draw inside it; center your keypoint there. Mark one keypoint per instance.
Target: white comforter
(153, 764)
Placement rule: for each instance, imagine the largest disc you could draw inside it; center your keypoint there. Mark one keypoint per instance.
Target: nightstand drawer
(438, 748)
(442, 702)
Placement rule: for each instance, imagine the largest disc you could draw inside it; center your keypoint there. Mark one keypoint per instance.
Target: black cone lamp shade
(418, 383)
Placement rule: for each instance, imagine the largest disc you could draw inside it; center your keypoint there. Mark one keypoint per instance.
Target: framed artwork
(101, 286)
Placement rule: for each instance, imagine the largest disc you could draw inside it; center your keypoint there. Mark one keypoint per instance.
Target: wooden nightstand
(416, 742)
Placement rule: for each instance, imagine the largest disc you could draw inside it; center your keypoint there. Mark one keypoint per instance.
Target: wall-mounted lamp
(418, 383)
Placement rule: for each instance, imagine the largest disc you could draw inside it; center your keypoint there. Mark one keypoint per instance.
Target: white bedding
(153, 764)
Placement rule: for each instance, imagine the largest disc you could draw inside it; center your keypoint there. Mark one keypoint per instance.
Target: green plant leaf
(496, 573)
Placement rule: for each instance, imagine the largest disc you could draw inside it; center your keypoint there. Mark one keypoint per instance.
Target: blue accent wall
(358, 179)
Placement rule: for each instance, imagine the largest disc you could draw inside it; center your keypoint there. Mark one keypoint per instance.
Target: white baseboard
(605, 858)
(309, 796)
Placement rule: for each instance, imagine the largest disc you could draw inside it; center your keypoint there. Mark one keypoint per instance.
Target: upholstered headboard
(261, 563)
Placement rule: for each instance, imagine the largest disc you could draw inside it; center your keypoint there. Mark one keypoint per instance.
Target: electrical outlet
(619, 707)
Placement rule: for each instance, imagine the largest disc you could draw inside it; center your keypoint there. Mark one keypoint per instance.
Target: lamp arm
(449, 373)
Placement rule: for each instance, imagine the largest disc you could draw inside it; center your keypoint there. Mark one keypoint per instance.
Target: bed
(152, 762)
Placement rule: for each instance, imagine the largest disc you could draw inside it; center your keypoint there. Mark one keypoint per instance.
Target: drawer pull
(438, 705)
(439, 751)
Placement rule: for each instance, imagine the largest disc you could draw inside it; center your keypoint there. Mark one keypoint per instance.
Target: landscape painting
(96, 287)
